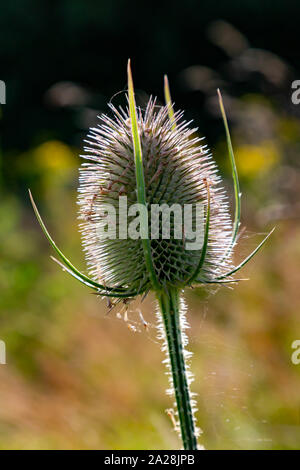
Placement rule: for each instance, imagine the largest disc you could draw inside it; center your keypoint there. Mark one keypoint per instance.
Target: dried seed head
(178, 169)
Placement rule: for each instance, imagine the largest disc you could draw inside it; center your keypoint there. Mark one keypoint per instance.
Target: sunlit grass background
(79, 378)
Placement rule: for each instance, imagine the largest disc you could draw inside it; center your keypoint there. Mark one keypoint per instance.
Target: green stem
(169, 307)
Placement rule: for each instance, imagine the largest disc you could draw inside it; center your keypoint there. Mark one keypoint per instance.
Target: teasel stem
(169, 303)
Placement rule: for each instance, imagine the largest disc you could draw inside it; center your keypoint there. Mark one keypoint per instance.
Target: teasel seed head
(177, 169)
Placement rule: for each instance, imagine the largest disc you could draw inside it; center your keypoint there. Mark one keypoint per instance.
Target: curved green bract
(237, 194)
(63, 257)
(243, 263)
(140, 181)
(227, 281)
(104, 294)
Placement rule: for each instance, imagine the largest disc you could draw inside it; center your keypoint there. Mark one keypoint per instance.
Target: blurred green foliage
(76, 377)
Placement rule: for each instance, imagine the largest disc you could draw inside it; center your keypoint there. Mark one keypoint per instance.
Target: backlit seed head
(178, 169)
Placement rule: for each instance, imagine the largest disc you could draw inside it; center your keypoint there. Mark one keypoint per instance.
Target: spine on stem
(172, 323)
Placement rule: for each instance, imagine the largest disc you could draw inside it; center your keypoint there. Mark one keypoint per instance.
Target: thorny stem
(169, 306)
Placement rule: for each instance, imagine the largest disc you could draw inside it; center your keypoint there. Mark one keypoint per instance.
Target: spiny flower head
(152, 157)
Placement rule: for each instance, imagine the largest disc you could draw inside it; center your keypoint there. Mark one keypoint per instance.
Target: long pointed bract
(243, 263)
(104, 294)
(140, 181)
(63, 257)
(237, 194)
(168, 102)
(205, 241)
(227, 281)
